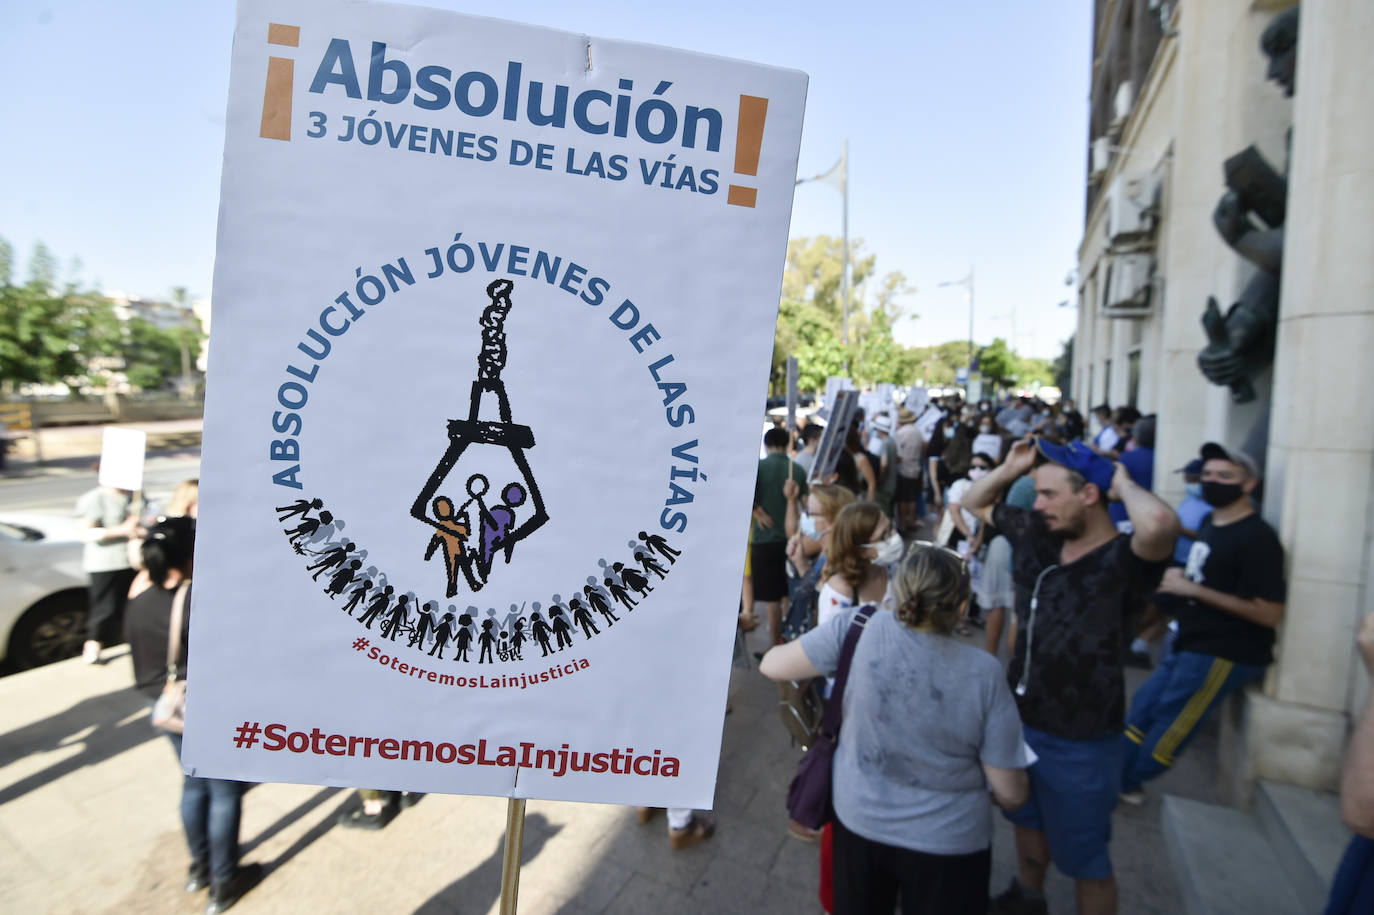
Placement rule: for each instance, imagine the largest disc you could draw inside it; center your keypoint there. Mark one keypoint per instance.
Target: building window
(1106, 381)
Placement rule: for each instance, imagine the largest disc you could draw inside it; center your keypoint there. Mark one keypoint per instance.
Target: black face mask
(1220, 495)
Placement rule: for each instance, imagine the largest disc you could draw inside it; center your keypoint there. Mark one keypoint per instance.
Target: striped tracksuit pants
(1168, 708)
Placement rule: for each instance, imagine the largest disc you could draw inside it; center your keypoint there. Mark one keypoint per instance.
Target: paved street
(88, 823)
(57, 493)
(71, 454)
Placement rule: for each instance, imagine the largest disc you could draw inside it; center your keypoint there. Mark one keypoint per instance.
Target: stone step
(1305, 828)
(1223, 862)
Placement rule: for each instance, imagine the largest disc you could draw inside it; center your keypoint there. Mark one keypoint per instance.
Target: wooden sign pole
(510, 859)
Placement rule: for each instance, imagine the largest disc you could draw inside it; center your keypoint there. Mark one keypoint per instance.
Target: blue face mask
(808, 527)
(1194, 490)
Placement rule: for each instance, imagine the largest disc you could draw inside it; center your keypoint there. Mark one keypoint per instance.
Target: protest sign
(833, 436)
(928, 419)
(916, 399)
(834, 384)
(494, 307)
(989, 443)
(122, 453)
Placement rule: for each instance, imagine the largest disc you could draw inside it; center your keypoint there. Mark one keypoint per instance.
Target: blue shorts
(1073, 789)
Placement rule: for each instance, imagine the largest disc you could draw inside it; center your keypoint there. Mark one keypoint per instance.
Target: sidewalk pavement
(69, 449)
(89, 824)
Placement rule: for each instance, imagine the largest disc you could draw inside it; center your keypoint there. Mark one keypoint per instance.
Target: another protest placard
(989, 443)
(122, 454)
(494, 308)
(833, 436)
(834, 384)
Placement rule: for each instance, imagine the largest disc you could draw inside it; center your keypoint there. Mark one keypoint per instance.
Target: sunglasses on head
(963, 560)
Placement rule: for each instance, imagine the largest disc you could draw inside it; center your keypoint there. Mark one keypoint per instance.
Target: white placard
(493, 313)
(928, 419)
(121, 458)
(989, 443)
(916, 399)
(834, 384)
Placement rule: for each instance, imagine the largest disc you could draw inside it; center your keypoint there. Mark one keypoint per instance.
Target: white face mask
(808, 526)
(977, 473)
(889, 550)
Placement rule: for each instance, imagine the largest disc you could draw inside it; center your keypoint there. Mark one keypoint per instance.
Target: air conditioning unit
(1122, 102)
(1131, 208)
(1100, 156)
(1128, 290)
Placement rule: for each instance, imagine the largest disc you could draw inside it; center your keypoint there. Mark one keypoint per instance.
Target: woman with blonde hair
(938, 717)
(185, 500)
(862, 545)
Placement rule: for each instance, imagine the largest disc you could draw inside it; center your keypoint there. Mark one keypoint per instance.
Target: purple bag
(808, 797)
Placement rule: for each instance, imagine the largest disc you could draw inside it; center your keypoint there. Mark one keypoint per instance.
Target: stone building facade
(1177, 88)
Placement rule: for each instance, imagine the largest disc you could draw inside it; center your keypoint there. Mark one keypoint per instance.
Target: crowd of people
(1043, 526)
(1046, 528)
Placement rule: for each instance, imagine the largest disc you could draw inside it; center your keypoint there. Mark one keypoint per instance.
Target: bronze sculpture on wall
(1250, 218)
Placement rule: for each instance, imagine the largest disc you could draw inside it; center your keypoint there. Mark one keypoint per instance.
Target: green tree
(805, 331)
(152, 354)
(1030, 370)
(188, 338)
(50, 334)
(997, 363)
(815, 273)
(936, 365)
(811, 316)
(876, 356)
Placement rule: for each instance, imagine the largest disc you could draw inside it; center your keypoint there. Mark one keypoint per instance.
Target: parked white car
(42, 590)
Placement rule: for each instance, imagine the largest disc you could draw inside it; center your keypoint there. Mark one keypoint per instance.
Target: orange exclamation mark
(753, 111)
(276, 100)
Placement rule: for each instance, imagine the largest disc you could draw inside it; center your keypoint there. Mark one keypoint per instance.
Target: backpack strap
(834, 707)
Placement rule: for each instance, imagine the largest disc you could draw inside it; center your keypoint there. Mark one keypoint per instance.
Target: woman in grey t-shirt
(930, 737)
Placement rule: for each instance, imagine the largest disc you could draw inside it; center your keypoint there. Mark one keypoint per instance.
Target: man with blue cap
(1076, 579)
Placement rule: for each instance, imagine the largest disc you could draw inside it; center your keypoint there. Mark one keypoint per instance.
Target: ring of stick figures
(621, 585)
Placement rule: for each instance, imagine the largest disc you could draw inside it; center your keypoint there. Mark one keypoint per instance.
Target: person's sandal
(701, 828)
(645, 814)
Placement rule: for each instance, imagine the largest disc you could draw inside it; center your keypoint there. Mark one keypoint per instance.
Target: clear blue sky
(966, 127)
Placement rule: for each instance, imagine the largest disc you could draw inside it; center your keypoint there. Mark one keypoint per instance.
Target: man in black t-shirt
(1232, 593)
(1076, 580)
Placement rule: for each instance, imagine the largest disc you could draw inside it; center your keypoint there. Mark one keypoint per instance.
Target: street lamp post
(837, 176)
(967, 283)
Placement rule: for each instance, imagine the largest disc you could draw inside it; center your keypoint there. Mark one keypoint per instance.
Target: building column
(1320, 476)
(1194, 260)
